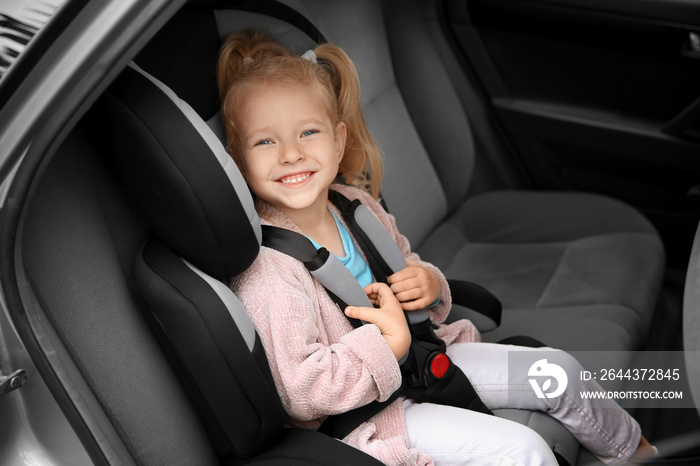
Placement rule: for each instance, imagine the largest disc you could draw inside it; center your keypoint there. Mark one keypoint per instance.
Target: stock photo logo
(543, 372)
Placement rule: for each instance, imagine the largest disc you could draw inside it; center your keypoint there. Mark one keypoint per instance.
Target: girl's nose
(291, 154)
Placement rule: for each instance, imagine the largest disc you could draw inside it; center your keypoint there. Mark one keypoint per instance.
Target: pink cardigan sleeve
(321, 366)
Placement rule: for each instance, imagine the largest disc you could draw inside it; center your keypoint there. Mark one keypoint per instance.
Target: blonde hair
(250, 58)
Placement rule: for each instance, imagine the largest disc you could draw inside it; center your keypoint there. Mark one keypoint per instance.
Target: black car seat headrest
(180, 174)
(205, 230)
(183, 54)
(181, 182)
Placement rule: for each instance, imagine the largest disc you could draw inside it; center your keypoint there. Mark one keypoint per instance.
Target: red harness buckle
(439, 365)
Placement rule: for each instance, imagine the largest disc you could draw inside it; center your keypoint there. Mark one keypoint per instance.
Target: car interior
(140, 219)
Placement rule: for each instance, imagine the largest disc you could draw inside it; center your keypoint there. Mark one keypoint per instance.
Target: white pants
(454, 436)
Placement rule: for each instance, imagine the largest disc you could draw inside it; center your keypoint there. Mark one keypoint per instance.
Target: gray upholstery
(573, 261)
(229, 21)
(691, 320)
(578, 271)
(80, 235)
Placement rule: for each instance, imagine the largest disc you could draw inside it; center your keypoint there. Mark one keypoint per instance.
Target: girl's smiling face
(289, 145)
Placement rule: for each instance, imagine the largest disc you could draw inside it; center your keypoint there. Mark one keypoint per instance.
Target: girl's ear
(341, 135)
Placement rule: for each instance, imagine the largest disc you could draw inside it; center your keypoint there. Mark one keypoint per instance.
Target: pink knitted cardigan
(320, 364)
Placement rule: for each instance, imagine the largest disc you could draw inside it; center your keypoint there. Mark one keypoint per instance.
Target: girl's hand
(389, 317)
(415, 286)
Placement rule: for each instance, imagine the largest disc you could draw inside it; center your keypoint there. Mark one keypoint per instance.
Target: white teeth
(295, 179)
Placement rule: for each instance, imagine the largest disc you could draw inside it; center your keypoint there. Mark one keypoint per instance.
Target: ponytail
(362, 163)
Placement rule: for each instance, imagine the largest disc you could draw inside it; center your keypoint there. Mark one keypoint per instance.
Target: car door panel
(600, 96)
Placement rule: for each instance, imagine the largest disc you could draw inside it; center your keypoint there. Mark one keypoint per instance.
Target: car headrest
(178, 171)
(183, 54)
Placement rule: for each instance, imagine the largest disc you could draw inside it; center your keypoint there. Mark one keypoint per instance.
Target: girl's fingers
(409, 295)
(402, 275)
(404, 285)
(379, 292)
(416, 305)
(362, 313)
(376, 316)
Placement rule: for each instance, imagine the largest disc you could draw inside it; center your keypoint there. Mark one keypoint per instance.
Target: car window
(20, 21)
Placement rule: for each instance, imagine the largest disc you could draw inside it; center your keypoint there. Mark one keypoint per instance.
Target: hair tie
(247, 60)
(309, 55)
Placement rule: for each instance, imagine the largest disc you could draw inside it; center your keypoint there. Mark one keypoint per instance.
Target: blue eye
(309, 132)
(262, 142)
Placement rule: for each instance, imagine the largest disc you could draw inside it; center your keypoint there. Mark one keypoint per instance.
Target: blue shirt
(353, 260)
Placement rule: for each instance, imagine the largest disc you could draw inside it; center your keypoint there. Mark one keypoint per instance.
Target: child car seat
(205, 231)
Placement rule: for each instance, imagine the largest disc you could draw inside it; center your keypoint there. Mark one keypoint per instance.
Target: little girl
(294, 126)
